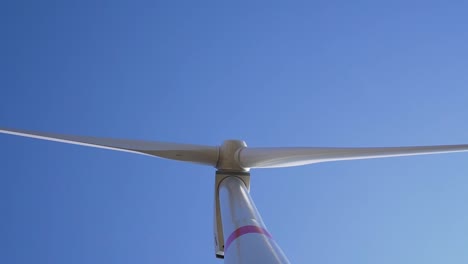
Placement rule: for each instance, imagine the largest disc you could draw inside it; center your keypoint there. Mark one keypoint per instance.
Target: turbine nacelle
(228, 159)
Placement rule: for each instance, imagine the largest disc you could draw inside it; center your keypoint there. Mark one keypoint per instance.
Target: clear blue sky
(327, 73)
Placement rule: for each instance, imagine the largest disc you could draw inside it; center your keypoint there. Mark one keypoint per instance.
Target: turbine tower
(239, 232)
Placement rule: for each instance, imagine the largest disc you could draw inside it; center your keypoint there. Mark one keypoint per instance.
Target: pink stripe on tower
(245, 230)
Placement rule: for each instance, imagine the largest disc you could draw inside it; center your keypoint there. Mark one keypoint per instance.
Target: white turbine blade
(287, 157)
(183, 152)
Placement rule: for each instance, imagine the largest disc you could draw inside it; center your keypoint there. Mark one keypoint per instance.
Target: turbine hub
(229, 156)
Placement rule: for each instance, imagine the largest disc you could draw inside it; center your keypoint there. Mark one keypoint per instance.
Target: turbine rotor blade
(297, 156)
(206, 155)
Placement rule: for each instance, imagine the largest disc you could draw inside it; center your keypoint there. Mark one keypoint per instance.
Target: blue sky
(327, 73)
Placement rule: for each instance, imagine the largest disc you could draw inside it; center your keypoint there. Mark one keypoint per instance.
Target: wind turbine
(239, 232)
